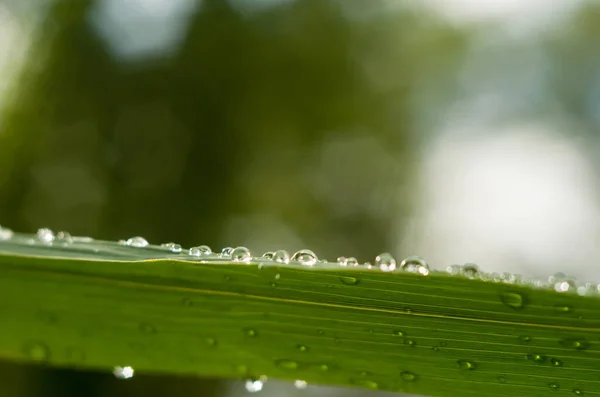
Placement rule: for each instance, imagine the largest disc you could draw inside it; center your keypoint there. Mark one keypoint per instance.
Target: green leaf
(96, 305)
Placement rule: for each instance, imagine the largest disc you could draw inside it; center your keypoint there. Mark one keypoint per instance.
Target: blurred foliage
(302, 113)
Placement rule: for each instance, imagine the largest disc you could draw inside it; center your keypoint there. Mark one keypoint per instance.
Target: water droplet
(525, 338)
(147, 328)
(467, 365)
(226, 252)
(286, 364)
(454, 269)
(281, 256)
(538, 358)
(123, 372)
(352, 261)
(273, 284)
(575, 343)
(64, 238)
(173, 247)
(211, 341)
(268, 255)
(554, 385)
(201, 250)
(36, 351)
(187, 302)
(397, 332)
(368, 265)
(323, 367)
(251, 332)
(138, 242)
(6, 233)
(300, 384)
(415, 264)
(555, 362)
(342, 261)
(302, 348)
(305, 257)
(512, 299)
(241, 254)
(348, 280)
(578, 392)
(254, 385)
(501, 379)
(45, 235)
(321, 332)
(563, 283)
(410, 342)
(366, 383)
(563, 308)
(386, 262)
(470, 270)
(407, 376)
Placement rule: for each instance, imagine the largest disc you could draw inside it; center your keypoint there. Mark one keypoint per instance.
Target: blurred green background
(461, 130)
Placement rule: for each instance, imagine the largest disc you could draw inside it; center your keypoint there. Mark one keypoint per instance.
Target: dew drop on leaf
(554, 385)
(467, 365)
(366, 383)
(352, 261)
(349, 280)
(173, 247)
(268, 255)
(501, 379)
(563, 308)
(241, 254)
(211, 341)
(525, 338)
(123, 372)
(407, 376)
(415, 264)
(385, 262)
(45, 235)
(512, 299)
(201, 250)
(251, 332)
(254, 385)
(281, 256)
(305, 257)
(226, 252)
(342, 261)
(64, 238)
(300, 384)
(575, 343)
(36, 351)
(6, 233)
(138, 242)
(410, 342)
(470, 270)
(286, 364)
(555, 362)
(578, 392)
(397, 332)
(536, 357)
(302, 348)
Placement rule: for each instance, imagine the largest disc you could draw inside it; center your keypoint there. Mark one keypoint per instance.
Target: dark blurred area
(284, 124)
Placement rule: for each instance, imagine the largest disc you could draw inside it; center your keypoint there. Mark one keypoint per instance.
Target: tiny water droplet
(6, 233)
(302, 348)
(273, 284)
(454, 269)
(251, 332)
(300, 384)
(138, 242)
(525, 338)
(241, 254)
(538, 358)
(563, 308)
(123, 372)
(348, 280)
(501, 379)
(578, 392)
(366, 383)
(211, 341)
(286, 364)
(467, 365)
(410, 342)
(470, 270)
(64, 238)
(281, 256)
(407, 376)
(386, 262)
(352, 261)
(323, 367)
(321, 332)
(45, 235)
(415, 264)
(342, 261)
(254, 385)
(554, 385)
(173, 247)
(147, 328)
(397, 332)
(226, 252)
(305, 257)
(201, 250)
(187, 302)
(575, 343)
(512, 299)
(555, 362)
(36, 351)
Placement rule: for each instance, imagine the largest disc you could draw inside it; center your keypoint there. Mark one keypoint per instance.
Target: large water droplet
(536, 357)
(138, 242)
(305, 257)
(64, 238)
(415, 264)
(173, 247)
(241, 254)
(6, 233)
(201, 250)
(342, 261)
(268, 255)
(467, 365)
(123, 372)
(226, 252)
(348, 280)
(512, 299)
(286, 364)
(352, 261)
(407, 376)
(254, 385)
(36, 351)
(300, 384)
(281, 256)
(251, 332)
(45, 235)
(470, 270)
(575, 343)
(386, 262)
